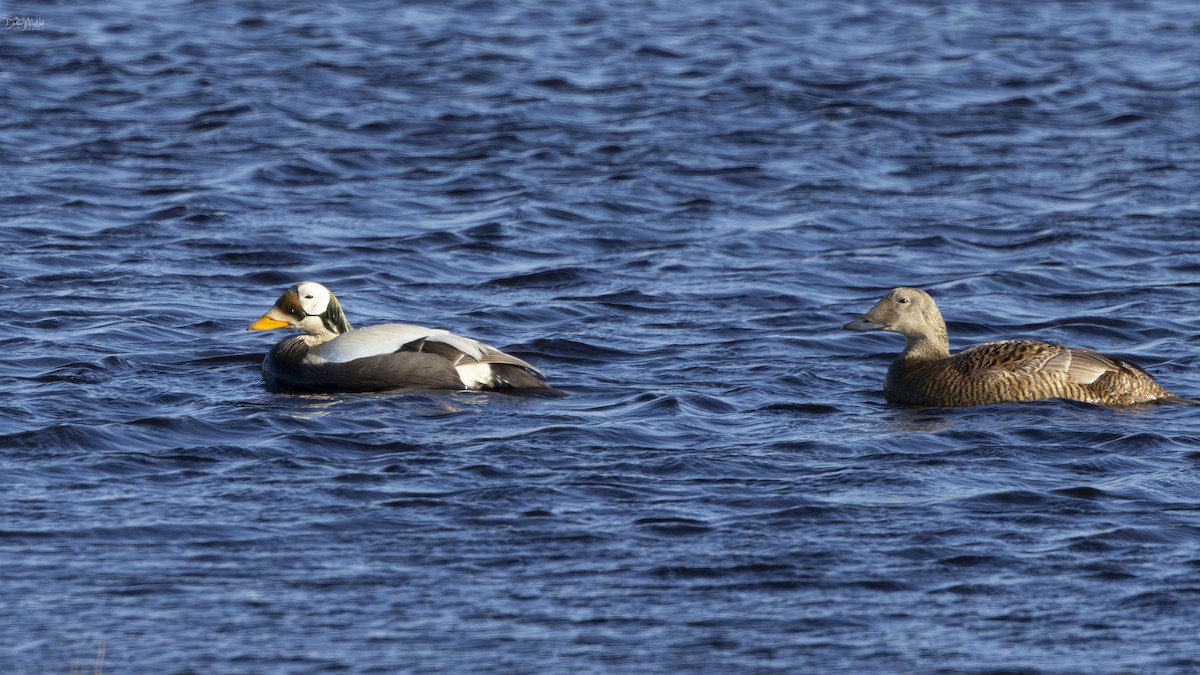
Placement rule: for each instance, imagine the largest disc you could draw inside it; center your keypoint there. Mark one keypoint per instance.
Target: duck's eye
(310, 297)
(903, 301)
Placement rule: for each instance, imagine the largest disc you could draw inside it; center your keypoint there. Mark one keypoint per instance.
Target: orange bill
(267, 323)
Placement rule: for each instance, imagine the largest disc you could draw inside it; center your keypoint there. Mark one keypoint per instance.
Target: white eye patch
(314, 298)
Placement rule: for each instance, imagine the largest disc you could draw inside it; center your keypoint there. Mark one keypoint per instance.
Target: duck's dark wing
(487, 368)
(482, 353)
(1081, 366)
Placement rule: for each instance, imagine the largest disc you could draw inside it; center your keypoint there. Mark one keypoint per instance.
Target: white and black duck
(330, 356)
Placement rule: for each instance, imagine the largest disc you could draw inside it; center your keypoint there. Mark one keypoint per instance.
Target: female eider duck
(329, 356)
(927, 374)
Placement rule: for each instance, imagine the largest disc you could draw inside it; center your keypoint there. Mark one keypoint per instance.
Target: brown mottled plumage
(925, 373)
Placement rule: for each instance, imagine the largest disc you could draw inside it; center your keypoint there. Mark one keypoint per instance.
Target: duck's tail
(510, 377)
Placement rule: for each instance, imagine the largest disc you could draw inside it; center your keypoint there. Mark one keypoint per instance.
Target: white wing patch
(475, 375)
(385, 339)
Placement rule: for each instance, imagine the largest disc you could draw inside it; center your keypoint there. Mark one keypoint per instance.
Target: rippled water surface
(671, 208)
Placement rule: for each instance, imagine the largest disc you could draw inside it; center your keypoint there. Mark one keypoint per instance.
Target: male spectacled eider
(329, 356)
(927, 374)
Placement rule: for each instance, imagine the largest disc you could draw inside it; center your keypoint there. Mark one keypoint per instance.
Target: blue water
(670, 208)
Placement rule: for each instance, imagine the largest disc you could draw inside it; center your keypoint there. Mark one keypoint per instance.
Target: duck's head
(308, 307)
(908, 311)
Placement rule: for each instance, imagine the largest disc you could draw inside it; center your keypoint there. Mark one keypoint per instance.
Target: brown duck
(926, 373)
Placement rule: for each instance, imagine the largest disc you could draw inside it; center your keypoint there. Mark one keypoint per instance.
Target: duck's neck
(317, 330)
(318, 337)
(926, 347)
